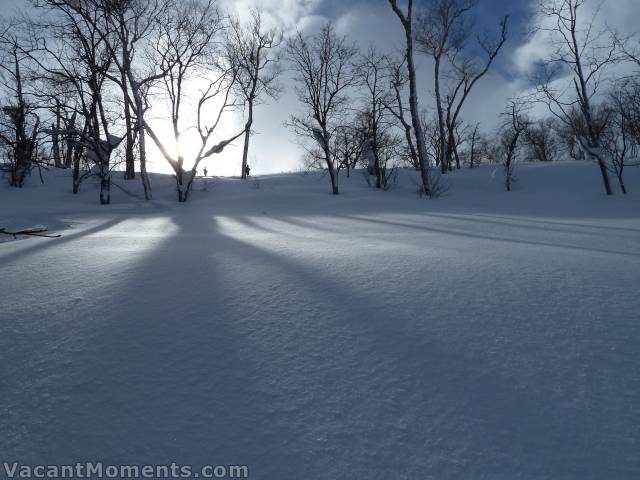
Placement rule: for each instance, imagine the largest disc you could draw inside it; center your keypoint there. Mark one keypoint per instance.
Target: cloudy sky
(371, 22)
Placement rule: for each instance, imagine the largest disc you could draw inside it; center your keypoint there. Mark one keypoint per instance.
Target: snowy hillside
(370, 335)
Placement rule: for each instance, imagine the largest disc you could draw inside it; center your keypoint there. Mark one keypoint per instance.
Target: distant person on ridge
(205, 171)
(247, 171)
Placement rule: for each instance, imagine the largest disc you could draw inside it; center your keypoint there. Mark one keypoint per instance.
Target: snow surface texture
(371, 335)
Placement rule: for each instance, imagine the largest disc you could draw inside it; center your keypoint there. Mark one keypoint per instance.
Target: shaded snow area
(370, 335)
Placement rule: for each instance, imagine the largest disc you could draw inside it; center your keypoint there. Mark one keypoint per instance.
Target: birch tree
(74, 55)
(324, 69)
(134, 23)
(19, 120)
(406, 19)
(585, 52)
(255, 49)
(442, 34)
(189, 35)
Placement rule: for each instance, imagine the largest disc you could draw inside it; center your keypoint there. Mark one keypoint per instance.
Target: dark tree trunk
(142, 146)
(247, 136)
(76, 173)
(332, 172)
(55, 138)
(130, 162)
(413, 95)
(105, 189)
(69, 148)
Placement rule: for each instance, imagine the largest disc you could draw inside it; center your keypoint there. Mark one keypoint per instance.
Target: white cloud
(619, 15)
(283, 13)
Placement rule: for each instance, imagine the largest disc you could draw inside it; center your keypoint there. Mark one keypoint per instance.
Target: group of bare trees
(101, 72)
(592, 113)
(375, 95)
(19, 119)
(591, 105)
(84, 84)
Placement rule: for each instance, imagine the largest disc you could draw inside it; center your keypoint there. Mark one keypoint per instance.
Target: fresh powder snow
(370, 335)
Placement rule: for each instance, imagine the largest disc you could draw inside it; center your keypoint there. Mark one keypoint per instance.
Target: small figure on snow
(247, 170)
(205, 171)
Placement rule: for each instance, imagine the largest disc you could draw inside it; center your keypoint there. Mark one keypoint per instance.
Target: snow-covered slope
(371, 335)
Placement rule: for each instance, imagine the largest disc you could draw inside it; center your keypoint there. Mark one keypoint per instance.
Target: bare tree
(421, 151)
(324, 73)
(467, 71)
(76, 57)
(442, 34)
(189, 33)
(629, 47)
(397, 72)
(441, 31)
(431, 137)
(585, 52)
(541, 141)
(126, 28)
(626, 98)
(377, 120)
(255, 50)
(477, 146)
(19, 120)
(619, 139)
(134, 23)
(137, 25)
(348, 143)
(514, 125)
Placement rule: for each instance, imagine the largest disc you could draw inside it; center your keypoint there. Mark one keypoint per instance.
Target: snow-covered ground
(371, 335)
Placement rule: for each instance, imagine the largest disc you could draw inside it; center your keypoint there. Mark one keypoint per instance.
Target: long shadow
(305, 225)
(517, 222)
(532, 430)
(250, 223)
(214, 350)
(39, 244)
(520, 219)
(490, 237)
(149, 371)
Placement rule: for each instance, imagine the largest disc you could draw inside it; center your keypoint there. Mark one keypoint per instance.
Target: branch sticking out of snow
(37, 231)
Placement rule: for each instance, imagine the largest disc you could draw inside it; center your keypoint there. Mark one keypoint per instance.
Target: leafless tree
(324, 68)
(186, 48)
(255, 49)
(442, 34)
(627, 95)
(620, 140)
(431, 137)
(62, 109)
(407, 24)
(441, 31)
(629, 46)
(381, 146)
(585, 52)
(472, 157)
(514, 126)
(135, 27)
(19, 120)
(131, 21)
(376, 117)
(398, 80)
(74, 56)
(348, 143)
(467, 71)
(127, 29)
(477, 147)
(541, 140)
(141, 67)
